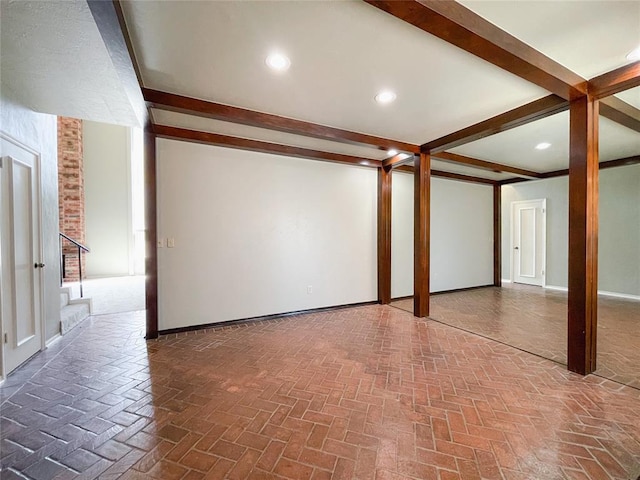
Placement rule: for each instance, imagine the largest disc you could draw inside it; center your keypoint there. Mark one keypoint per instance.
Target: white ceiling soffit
(172, 119)
(587, 37)
(54, 61)
(631, 96)
(342, 54)
(516, 147)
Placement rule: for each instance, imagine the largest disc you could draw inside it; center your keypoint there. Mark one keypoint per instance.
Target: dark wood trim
(497, 235)
(173, 133)
(127, 38)
(110, 24)
(483, 164)
(615, 81)
(151, 227)
(397, 299)
(459, 26)
(463, 289)
(620, 112)
(397, 160)
(531, 112)
(202, 108)
(276, 316)
(384, 235)
(583, 236)
(450, 175)
(462, 178)
(620, 162)
(421, 241)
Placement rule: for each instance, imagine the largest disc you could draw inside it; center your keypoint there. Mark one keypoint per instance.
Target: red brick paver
(368, 392)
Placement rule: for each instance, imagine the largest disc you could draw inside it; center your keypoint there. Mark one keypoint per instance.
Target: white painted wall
(39, 132)
(253, 230)
(107, 198)
(401, 234)
(619, 228)
(461, 235)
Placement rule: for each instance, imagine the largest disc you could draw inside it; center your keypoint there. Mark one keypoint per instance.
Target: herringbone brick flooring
(362, 393)
(535, 319)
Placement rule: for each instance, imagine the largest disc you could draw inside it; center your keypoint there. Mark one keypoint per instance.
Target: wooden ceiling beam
(459, 26)
(397, 160)
(620, 162)
(620, 112)
(217, 111)
(536, 110)
(485, 165)
(615, 81)
(450, 175)
(216, 139)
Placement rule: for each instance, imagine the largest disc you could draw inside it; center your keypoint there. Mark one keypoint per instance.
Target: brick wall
(71, 191)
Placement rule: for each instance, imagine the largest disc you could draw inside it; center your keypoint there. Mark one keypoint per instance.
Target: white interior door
(21, 279)
(528, 220)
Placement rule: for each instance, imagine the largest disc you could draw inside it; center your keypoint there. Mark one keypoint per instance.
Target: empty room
(382, 239)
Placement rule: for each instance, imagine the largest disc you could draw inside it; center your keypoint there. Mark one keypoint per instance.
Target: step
(72, 314)
(64, 299)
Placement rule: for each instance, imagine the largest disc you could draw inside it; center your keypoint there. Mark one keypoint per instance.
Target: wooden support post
(151, 259)
(497, 235)
(583, 236)
(421, 212)
(384, 235)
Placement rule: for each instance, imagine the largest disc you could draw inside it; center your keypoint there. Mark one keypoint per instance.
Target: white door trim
(543, 227)
(38, 193)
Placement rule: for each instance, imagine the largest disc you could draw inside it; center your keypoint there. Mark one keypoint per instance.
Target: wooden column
(150, 218)
(421, 212)
(384, 235)
(583, 235)
(497, 235)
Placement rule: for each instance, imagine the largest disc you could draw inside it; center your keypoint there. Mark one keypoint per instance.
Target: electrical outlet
(171, 242)
(309, 289)
(160, 242)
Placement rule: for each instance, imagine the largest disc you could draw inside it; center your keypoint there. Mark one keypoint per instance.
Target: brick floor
(366, 393)
(535, 320)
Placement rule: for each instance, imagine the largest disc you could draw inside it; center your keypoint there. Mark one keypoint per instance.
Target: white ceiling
(342, 54)
(54, 60)
(516, 147)
(588, 37)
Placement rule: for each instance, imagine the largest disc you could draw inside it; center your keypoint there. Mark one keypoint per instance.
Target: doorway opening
(528, 241)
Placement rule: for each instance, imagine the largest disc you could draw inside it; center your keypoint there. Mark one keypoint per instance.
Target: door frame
(40, 248)
(543, 201)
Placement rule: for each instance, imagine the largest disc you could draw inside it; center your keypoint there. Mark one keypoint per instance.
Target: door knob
(516, 248)
(38, 265)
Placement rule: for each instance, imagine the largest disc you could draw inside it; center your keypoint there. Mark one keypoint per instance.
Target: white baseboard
(619, 295)
(600, 292)
(505, 280)
(555, 287)
(53, 340)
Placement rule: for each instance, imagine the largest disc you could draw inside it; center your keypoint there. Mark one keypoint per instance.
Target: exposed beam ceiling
(203, 108)
(174, 133)
(620, 112)
(459, 26)
(615, 81)
(397, 160)
(620, 162)
(450, 175)
(485, 165)
(517, 117)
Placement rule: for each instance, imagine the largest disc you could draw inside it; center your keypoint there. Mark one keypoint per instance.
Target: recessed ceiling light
(392, 152)
(385, 96)
(278, 62)
(543, 146)
(634, 54)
